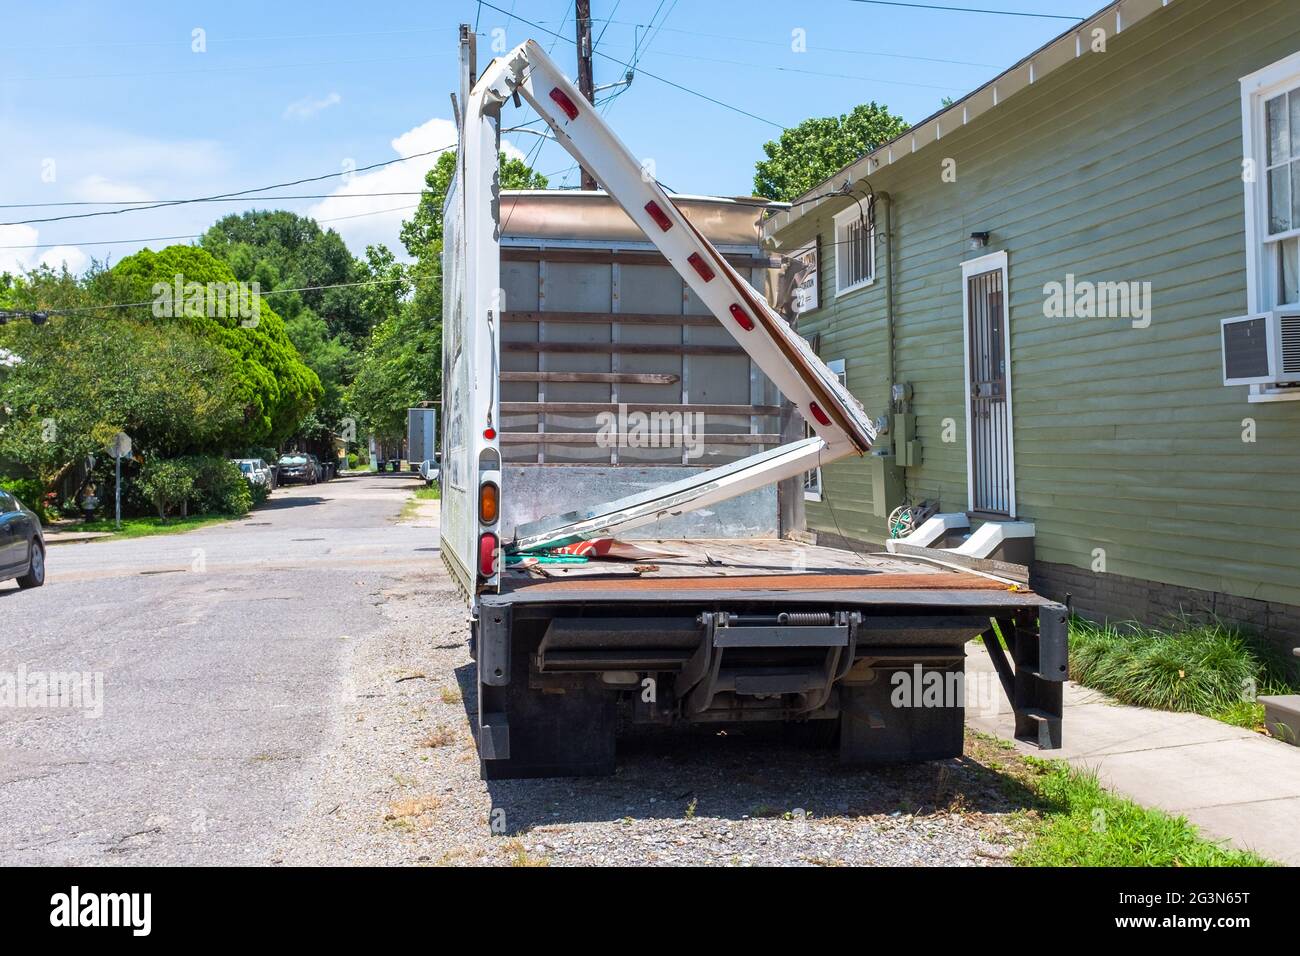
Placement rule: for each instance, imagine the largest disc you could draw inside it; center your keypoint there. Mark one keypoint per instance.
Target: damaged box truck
(626, 421)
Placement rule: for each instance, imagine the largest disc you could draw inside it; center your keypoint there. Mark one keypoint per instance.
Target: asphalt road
(223, 659)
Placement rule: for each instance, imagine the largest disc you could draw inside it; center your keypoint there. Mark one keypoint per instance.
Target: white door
(990, 458)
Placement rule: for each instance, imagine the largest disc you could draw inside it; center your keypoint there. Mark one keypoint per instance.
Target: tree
(817, 148)
(282, 250)
(82, 378)
(274, 390)
(403, 364)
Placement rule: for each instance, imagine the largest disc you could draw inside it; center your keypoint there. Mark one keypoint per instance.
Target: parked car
(298, 468)
(429, 471)
(322, 470)
(256, 472)
(22, 544)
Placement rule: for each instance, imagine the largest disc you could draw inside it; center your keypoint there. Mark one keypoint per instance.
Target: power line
(1000, 13)
(795, 69)
(17, 313)
(811, 48)
(653, 76)
(239, 193)
(221, 69)
(120, 242)
(129, 202)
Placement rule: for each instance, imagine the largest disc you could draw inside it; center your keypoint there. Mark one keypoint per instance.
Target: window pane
(1294, 97)
(1279, 199)
(1295, 192)
(1279, 139)
(1289, 272)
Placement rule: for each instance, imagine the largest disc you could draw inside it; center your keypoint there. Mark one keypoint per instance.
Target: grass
(1073, 821)
(1207, 669)
(143, 527)
(412, 507)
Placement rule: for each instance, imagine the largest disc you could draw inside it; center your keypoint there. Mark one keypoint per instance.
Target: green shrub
(1202, 668)
(169, 483)
(258, 492)
(352, 459)
(31, 492)
(220, 487)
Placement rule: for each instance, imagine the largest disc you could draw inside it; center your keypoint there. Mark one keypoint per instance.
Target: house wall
(1124, 166)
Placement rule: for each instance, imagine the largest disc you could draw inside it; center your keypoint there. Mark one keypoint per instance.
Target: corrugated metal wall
(1122, 167)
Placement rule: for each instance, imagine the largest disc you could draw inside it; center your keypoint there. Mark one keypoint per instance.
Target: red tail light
(562, 100)
(658, 215)
(742, 318)
(818, 414)
(701, 266)
(487, 554)
(489, 433)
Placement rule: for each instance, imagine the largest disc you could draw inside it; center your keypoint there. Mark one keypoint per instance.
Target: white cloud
(99, 188)
(307, 107)
(22, 260)
(376, 219)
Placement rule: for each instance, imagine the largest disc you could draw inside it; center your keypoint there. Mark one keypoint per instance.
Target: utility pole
(586, 84)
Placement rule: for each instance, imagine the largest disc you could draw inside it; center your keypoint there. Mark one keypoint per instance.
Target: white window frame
(972, 267)
(842, 219)
(1261, 274)
(815, 493)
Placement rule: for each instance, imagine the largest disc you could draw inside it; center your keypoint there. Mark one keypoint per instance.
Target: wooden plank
(624, 348)
(597, 378)
(625, 441)
(528, 408)
(610, 256)
(606, 318)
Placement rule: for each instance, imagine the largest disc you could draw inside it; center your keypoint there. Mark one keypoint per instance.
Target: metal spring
(804, 617)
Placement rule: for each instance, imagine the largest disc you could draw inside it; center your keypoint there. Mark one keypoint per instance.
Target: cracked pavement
(223, 654)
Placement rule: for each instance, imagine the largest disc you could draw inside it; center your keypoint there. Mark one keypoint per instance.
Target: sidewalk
(67, 532)
(1233, 784)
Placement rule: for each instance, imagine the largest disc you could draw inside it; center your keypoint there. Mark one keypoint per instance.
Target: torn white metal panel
(699, 491)
(830, 410)
(840, 424)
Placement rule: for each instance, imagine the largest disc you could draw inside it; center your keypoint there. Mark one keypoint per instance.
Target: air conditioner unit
(1262, 349)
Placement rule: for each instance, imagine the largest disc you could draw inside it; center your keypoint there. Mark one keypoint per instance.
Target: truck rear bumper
(728, 654)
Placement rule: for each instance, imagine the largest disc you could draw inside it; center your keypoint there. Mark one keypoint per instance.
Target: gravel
(398, 783)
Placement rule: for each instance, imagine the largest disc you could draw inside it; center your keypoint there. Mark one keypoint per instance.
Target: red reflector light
(742, 318)
(487, 554)
(701, 266)
(818, 414)
(658, 215)
(489, 433)
(562, 100)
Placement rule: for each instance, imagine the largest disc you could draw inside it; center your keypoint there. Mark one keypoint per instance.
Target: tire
(35, 575)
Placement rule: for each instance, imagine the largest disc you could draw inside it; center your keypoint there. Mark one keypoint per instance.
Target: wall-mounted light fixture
(979, 240)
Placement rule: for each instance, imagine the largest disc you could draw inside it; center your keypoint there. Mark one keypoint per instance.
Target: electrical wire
(812, 49)
(118, 242)
(653, 76)
(13, 313)
(999, 13)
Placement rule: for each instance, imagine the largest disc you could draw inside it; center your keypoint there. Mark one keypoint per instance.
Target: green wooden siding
(1124, 166)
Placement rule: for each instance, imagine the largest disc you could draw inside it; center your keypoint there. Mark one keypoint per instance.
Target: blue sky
(110, 102)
